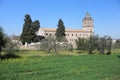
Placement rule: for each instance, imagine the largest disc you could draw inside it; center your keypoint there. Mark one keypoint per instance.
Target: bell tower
(88, 23)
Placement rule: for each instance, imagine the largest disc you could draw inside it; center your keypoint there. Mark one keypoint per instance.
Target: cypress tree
(60, 32)
(35, 28)
(29, 30)
(25, 36)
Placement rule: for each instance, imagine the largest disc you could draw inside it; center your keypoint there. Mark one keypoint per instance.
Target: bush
(66, 46)
(81, 43)
(10, 49)
(50, 44)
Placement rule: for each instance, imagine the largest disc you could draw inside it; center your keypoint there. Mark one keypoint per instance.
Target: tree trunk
(102, 51)
(55, 48)
(90, 52)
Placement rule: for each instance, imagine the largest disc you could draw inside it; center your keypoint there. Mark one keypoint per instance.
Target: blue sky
(106, 14)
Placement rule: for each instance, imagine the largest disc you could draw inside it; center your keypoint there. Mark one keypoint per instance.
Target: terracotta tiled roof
(66, 30)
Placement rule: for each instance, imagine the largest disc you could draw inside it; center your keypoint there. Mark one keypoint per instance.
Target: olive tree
(91, 44)
(108, 44)
(117, 44)
(50, 44)
(105, 43)
(66, 46)
(101, 45)
(81, 44)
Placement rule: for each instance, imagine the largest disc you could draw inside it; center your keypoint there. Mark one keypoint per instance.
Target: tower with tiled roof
(88, 23)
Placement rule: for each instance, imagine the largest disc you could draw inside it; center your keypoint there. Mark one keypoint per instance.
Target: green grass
(38, 65)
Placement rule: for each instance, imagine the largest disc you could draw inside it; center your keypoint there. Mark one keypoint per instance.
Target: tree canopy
(3, 39)
(29, 30)
(60, 32)
(25, 36)
(92, 43)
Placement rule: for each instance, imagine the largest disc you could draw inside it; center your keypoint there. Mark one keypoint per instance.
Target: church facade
(73, 34)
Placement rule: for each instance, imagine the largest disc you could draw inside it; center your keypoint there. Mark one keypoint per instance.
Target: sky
(106, 14)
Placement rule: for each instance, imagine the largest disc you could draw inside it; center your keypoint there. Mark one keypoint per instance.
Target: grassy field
(39, 65)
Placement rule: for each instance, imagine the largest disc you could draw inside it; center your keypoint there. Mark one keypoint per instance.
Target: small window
(76, 35)
(67, 34)
(83, 34)
(72, 34)
(79, 34)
